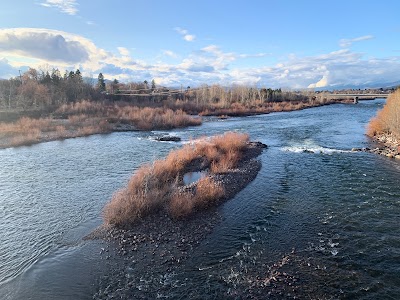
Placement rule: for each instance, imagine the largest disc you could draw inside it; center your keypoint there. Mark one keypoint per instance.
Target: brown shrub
(376, 126)
(181, 205)
(143, 195)
(77, 119)
(156, 118)
(116, 211)
(87, 130)
(231, 141)
(156, 186)
(26, 124)
(387, 120)
(226, 162)
(210, 152)
(83, 107)
(29, 138)
(208, 191)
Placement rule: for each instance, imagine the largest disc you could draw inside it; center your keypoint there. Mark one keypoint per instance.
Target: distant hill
(375, 85)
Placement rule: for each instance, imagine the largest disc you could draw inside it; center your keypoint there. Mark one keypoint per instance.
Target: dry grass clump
(226, 162)
(159, 186)
(387, 119)
(155, 118)
(27, 131)
(262, 107)
(181, 204)
(27, 125)
(377, 125)
(83, 107)
(231, 141)
(206, 193)
(229, 148)
(29, 138)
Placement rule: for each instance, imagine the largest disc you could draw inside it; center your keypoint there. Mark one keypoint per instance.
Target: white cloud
(37, 46)
(189, 37)
(253, 55)
(321, 83)
(220, 59)
(66, 6)
(181, 31)
(212, 49)
(345, 43)
(6, 69)
(123, 51)
(43, 44)
(169, 53)
(185, 34)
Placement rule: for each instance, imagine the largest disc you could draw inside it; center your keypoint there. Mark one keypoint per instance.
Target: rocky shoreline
(388, 145)
(151, 251)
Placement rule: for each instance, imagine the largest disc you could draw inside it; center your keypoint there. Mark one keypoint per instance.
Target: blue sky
(271, 43)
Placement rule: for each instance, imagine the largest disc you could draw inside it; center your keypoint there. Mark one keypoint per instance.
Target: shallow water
(339, 211)
(192, 177)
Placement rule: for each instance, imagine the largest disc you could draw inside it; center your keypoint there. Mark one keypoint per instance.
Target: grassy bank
(86, 118)
(250, 107)
(159, 186)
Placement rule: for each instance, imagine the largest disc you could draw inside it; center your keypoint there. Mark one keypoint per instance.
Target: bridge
(169, 92)
(360, 96)
(357, 97)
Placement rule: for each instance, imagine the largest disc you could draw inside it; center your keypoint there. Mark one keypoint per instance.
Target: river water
(333, 212)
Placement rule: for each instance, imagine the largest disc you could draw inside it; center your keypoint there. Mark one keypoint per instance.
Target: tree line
(39, 89)
(43, 89)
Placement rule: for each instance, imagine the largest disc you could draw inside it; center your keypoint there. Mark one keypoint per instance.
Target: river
(332, 212)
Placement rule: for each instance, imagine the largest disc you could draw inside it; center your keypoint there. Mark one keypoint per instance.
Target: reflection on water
(329, 215)
(192, 177)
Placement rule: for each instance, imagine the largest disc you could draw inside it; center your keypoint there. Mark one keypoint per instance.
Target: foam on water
(310, 146)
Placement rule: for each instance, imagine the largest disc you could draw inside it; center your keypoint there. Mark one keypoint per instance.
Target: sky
(289, 44)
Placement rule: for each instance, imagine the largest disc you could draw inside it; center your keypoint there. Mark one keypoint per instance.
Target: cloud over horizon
(209, 64)
(39, 44)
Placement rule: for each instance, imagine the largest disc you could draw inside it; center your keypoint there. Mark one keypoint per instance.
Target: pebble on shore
(388, 145)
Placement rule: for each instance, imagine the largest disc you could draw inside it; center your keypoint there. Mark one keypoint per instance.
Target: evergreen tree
(78, 76)
(101, 84)
(55, 76)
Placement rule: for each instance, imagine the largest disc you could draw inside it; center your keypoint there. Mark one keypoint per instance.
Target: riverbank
(87, 118)
(384, 128)
(388, 145)
(165, 242)
(262, 108)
